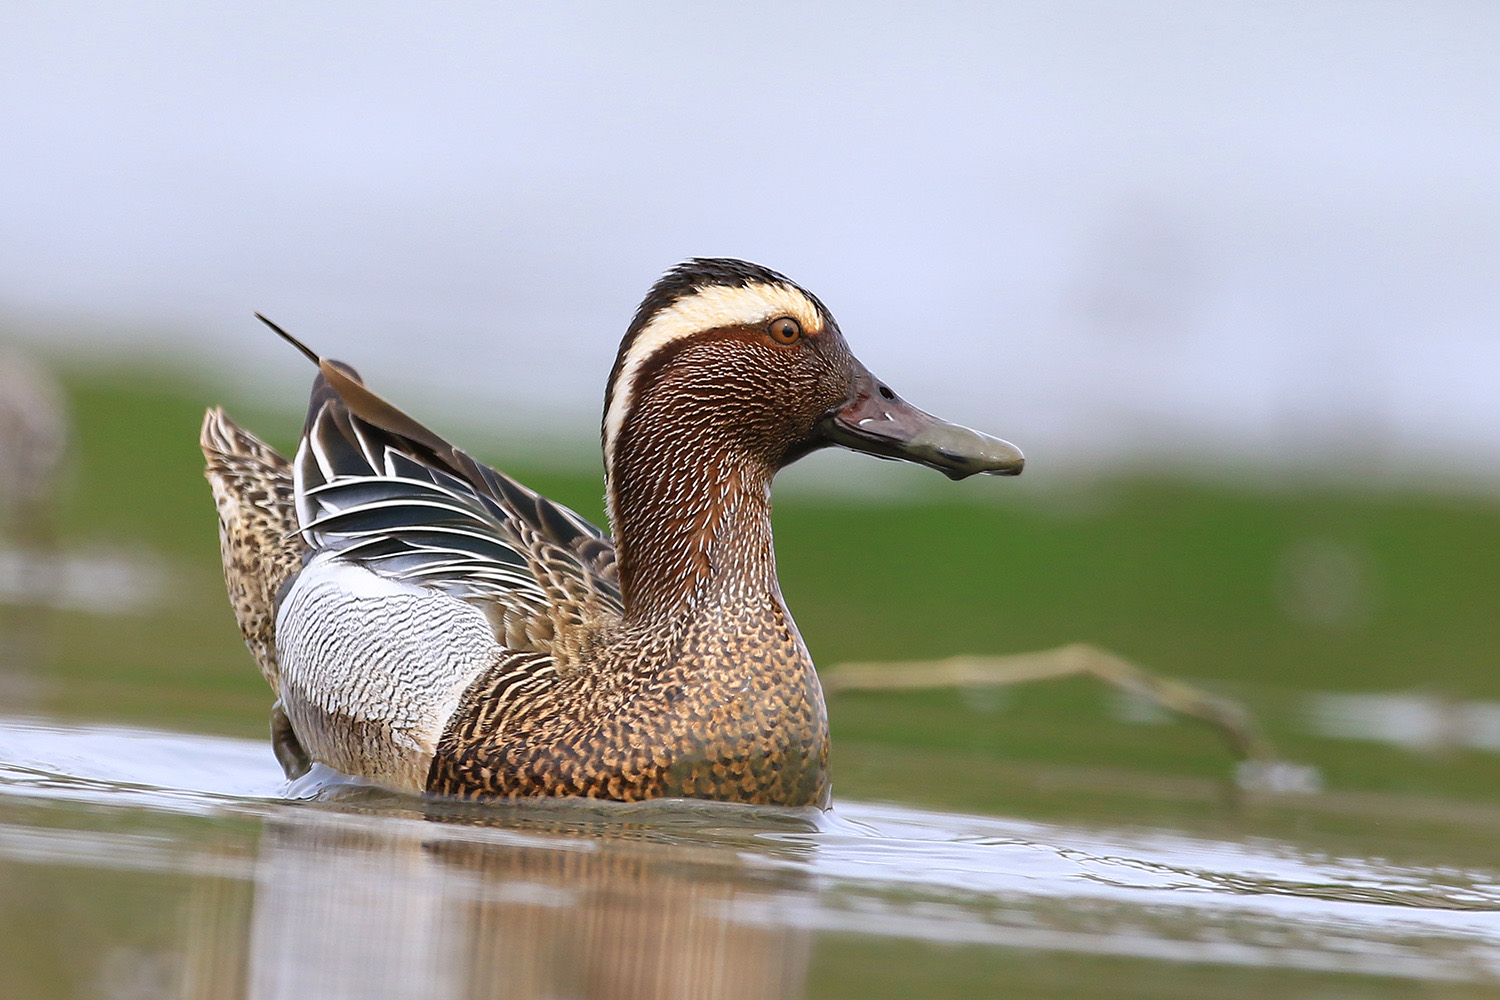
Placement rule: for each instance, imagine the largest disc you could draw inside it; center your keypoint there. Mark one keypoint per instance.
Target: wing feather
(378, 488)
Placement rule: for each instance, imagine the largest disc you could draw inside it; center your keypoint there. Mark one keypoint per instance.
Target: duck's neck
(691, 533)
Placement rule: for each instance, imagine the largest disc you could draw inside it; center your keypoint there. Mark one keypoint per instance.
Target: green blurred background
(1287, 595)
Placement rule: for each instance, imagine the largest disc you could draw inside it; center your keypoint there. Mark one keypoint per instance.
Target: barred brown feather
(258, 539)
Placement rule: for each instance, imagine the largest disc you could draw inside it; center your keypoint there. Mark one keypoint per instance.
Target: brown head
(729, 372)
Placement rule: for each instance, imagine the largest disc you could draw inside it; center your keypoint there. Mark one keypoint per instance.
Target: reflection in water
(372, 908)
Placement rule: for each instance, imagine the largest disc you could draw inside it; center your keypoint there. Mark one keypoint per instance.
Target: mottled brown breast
(727, 708)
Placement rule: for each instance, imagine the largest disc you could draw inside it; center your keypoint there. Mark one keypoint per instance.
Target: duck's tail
(258, 537)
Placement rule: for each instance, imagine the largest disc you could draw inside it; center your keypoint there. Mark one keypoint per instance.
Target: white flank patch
(706, 309)
(372, 669)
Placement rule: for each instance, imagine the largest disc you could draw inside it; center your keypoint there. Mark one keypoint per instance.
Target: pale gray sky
(1266, 230)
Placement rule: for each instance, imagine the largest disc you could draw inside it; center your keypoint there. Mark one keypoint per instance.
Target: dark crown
(709, 272)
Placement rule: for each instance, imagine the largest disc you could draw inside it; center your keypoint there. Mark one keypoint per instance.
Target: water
(184, 865)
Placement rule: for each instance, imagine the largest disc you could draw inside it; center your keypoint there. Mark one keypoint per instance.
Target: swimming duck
(431, 625)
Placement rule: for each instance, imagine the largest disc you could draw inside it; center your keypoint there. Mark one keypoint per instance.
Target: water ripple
(756, 875)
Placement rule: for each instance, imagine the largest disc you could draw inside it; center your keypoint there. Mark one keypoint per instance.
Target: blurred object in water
(98, 582)
(38, 580)
(33, 444)
(1326, 582)
(1227, 717)
(1413, 720)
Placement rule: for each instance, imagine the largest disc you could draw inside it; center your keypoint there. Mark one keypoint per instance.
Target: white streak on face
(705, 309)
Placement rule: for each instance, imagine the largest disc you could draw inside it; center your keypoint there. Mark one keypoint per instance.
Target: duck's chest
(742, 714)
(729, 708)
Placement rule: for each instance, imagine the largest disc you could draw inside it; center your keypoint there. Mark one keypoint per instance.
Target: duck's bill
(880, 423)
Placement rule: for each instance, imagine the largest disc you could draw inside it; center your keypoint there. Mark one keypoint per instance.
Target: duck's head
(738, 360)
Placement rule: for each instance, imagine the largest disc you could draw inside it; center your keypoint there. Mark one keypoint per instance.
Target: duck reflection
(528, 903)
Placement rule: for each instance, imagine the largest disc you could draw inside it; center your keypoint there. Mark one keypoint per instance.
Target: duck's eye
(785, 330)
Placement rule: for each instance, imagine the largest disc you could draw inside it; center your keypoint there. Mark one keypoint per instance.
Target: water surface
(142, 863)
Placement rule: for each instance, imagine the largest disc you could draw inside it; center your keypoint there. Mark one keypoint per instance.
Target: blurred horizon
(1235, 235)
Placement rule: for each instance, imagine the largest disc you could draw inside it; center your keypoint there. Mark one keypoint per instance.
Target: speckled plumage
(433, 625)
(729, 710)
(258, 538)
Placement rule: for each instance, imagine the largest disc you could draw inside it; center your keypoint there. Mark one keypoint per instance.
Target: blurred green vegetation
(1256, 592)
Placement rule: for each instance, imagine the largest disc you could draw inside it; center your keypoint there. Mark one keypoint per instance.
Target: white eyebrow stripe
(705, 309)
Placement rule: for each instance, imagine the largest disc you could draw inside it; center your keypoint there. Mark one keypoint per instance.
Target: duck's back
(382, 572)
(368, 670)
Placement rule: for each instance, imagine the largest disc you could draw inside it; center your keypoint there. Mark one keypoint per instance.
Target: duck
(430, 625)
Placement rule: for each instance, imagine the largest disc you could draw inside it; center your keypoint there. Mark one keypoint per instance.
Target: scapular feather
(384, 491)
